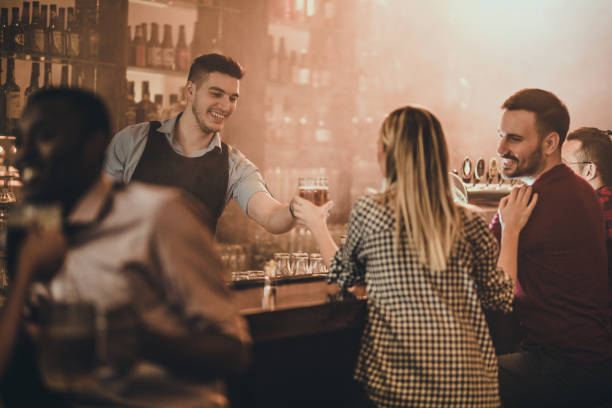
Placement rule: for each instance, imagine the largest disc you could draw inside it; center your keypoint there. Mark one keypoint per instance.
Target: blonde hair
(418, 188)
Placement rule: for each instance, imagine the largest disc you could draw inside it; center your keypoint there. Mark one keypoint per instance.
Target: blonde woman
(430, 267)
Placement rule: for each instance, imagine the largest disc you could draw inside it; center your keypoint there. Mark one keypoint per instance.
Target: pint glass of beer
(313, 189)
(67, 349)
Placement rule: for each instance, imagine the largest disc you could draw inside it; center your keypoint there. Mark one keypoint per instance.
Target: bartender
(187, 151)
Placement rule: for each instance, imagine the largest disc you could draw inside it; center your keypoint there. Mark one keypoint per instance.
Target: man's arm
(275, 217)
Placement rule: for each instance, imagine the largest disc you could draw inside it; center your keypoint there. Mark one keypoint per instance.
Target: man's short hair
(205, 64)
(551, 113)
(82, 106)
(596, 148)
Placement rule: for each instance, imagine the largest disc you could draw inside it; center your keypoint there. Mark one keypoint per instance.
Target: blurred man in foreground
(166, 329)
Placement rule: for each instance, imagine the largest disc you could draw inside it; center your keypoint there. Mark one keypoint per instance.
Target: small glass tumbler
(283, 265)
(317, 267)
(299, 264)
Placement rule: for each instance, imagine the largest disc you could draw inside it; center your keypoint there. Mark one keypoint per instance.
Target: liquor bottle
(129, 49)
(92, 35)
(167, 48)
(37, 30)
(140, 53)
(284, 69)
(183, 59)
(76, 76)
(48, 77)
(145, 37)
(44, 22)
(59, 35)
(154, 50)
(272, 60)
(304, 69)
(25, 25)
(33, 81)
(13, 97)
(196, 41)
(130, 111)
(295, 68)
(64, 80)
(2, 105)
(155, 114)
(145, 105)
(172, 109)
(73, 34)
(16, 33)
(4, 30)
(54, 46)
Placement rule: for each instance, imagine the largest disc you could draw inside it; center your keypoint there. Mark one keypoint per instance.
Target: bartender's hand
(309, 214)
(516, 207)
(42, 253)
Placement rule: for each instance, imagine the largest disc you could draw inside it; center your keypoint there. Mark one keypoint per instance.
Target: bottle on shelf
(295, 68)
(273, 60)
(13, 97)
(140, 48)
(145, 106)
(59, 35)
(53, 38)
(172, 109)
(37, 30)
(48, 77)
(145, 37)
(91, 33)
(73, 34)
(154, 51)
(64, 77)
(17, 39)
(167, 48)
(44, 22)
(284, 65)
(304, 69)
(155, 113)
(4, 30)
(25, 25)
(196, 42)
(129, 49)
(2, 105)
(183, 59)
(35, 75)
(76, 76)
(130, 111)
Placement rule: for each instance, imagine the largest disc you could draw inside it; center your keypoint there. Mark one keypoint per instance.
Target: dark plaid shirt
(426, 342)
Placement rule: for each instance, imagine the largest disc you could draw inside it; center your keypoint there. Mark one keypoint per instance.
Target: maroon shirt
(562, 290)
(605, 198)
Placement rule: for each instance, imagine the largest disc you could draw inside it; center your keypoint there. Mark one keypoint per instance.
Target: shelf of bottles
(44, 40)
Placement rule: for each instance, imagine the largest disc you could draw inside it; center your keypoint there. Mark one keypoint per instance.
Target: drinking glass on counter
(299, 264)
(283, 264)
(317, 267)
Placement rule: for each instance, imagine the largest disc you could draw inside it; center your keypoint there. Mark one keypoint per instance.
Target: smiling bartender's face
(214, 101)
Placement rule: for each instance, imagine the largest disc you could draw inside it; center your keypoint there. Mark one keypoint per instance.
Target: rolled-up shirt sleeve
(244, 179)
(124, 152)
(192, 270)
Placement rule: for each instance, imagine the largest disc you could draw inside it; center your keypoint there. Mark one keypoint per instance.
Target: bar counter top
(300, 308)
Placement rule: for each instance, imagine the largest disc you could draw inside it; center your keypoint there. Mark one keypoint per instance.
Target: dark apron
(205, 177)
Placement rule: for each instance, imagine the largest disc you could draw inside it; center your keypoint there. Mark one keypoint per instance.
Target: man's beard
(529, 167)
(205, 129)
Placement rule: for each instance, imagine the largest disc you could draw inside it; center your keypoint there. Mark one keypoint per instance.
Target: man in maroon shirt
(562, 291)
(588, 151)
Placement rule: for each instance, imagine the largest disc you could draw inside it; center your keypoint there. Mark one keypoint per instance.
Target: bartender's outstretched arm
(274, 216)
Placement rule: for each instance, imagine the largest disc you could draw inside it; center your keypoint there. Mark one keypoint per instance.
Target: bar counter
(304, 347)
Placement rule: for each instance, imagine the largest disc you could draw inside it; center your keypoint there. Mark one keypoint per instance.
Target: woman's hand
(515, 208)
(309, 214)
